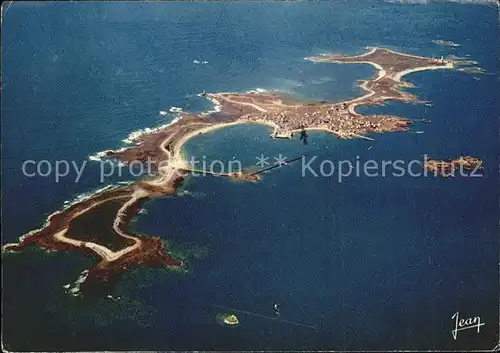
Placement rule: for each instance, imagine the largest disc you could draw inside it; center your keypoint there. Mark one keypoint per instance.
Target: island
(448, 168)
(119, 250)
(227, 319)
(230, 319)
(448, 43)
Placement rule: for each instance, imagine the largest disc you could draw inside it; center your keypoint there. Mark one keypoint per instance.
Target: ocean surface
(363, 263)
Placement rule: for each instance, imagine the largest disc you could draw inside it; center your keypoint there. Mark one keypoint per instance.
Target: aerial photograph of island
(250, 176)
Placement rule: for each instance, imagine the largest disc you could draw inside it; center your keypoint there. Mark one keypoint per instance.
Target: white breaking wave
(126, 182)
(258, 90)
(175, 110)
(100, 155)
(66, 205)
(74, 288)
(163, 112)
(200, 62)
(87, 195)
(135, 135)
(216, 108)
(174, 120)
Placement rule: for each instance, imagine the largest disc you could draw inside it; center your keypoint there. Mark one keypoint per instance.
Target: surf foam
(74, 288)
(175, 110)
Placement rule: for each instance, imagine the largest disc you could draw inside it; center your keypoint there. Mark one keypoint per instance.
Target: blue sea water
(372, 263)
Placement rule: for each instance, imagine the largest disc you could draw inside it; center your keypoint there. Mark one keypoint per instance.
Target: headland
(118, 250)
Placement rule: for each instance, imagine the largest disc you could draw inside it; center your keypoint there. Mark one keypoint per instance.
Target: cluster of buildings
(335, 118)
(440, 61)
